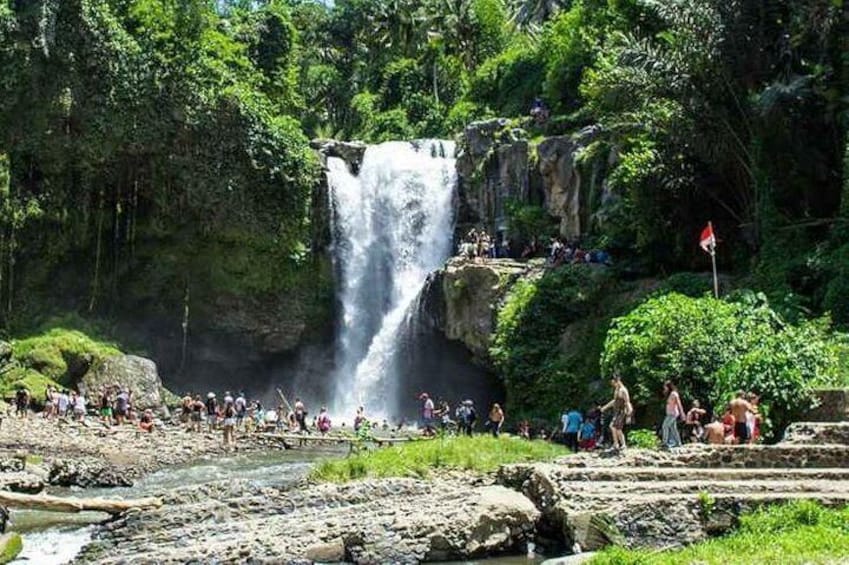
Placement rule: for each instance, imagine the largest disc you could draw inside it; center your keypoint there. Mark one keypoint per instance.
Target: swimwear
(741, 431)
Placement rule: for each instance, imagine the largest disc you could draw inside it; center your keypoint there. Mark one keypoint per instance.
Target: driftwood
(61, 504)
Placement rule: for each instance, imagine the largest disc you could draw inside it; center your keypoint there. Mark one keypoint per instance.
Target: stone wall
(833, 406)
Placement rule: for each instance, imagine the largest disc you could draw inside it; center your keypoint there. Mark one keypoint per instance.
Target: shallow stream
(53, 538)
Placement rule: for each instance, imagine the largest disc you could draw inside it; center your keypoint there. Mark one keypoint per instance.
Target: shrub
(539, 370)
(509, 82)
(644, 439)
(711, 348)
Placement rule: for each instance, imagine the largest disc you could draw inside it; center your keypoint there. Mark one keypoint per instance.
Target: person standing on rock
(301, 416)
(496, 419)
(228, 425)
(622, 412)
(79, 408)
(211, 412)
(674, 412)
(241, 405)
(106, 407)
(197, 413)
(122, 406)
(22, 402)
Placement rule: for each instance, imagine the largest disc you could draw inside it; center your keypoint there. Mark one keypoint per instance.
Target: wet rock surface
(92, 455)
(382, 521)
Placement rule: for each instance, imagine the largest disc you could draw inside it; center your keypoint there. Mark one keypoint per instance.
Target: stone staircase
(670, 498)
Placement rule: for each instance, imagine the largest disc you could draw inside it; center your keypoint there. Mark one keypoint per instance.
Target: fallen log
(61, 504)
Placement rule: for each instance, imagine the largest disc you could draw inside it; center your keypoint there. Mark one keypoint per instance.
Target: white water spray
(393, 226)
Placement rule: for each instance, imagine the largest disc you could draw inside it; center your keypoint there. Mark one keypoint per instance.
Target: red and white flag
(707, 241)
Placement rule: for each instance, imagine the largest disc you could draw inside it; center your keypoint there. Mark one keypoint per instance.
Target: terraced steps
(654, 498)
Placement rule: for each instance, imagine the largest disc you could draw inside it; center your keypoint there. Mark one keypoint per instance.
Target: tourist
(63, 403)
(146, 421)
(359, 419)
(186, 410)
(211, 412)
(753, 418)
(106, 407)
(674, 412)
(496, 419)
(22, 402)
(241, 406)
(427, 414)
(49, 403)
(79, 408)
(740, 409)
(444, 414)
(524, 429)
(587, 435)
(466, 417)
(715, 432)
(301, 416)
(122, 406)
(322, 421)
(571, 420)
(693, 422)
(228, 424)
(622, 412)
(197, 413)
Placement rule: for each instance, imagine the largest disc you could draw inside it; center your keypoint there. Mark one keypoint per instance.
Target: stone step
(815, 433)
(827, 498)
(631, 474)
(787, 455)
(617, 488)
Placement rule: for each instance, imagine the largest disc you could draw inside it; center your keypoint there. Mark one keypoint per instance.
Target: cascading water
(393, 226)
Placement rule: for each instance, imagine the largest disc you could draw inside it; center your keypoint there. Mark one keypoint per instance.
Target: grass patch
(417, 459)
(791, 534)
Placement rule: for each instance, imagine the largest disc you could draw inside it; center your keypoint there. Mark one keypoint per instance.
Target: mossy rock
(61, 354)
(35, 382)
(11, 545)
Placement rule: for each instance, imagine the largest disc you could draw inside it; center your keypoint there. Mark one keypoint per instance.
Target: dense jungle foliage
(154, 153)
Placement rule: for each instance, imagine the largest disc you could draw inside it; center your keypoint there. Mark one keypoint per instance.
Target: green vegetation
(481, 453)
(643, 439)
(793, 534)
(57, 358)
(712, 348)
(528, 348)
(11, 544)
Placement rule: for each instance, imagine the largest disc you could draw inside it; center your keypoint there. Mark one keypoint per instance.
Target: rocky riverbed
(67, 453)
(264, 512)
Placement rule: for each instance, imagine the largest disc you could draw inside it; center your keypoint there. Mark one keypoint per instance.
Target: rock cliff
(497, 166)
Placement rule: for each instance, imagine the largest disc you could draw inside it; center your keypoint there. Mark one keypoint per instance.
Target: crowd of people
(478, 245)
(114, 406)
(739, 422)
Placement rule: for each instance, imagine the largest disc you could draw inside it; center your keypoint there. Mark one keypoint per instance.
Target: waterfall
(393, 225)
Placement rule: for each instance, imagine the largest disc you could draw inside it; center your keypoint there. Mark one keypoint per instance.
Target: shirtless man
(740, 408)
(622, 410)
(715, 432)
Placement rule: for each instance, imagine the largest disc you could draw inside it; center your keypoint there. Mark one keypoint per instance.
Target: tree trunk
(61, 504)
(96, 278)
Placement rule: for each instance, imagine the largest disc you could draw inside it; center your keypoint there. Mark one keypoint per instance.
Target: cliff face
(497, 165)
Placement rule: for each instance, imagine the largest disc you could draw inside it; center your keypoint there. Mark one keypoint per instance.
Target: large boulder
(138, 374)
(351, 152)
(471, 293)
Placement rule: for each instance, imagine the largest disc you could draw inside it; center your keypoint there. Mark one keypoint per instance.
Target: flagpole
(713, 261)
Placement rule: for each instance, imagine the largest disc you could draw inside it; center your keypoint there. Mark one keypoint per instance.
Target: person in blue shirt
(571, 421)
(587, 436)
